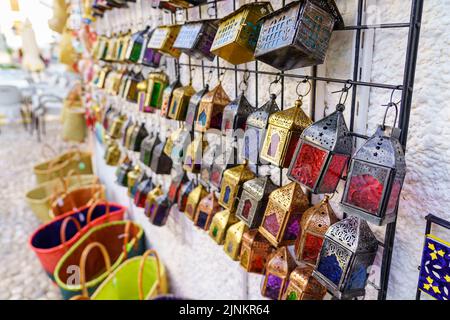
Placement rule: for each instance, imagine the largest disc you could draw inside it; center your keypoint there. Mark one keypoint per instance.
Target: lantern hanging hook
(344, 95)
(222, 75)
(275, 81)
(243, 85)
(209, 76)
(389, 105)
(301, 96)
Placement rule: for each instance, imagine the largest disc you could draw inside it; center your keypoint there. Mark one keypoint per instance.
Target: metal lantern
(123, 47)
(137, 137)
(147, 146)
(129, 131)
(233, 240)
(151, 98)
(102, 76)
(141, 177)
(123, 83)
(112, 154)
(281, 221)
(161, 211)
(167, 97)
(183, 195)
(131, 90)
(163, 38)
(255, 250)
(295, 36)
(142, 192)
(149, 57)
(231, 186)
(168, 147)
(278, 269)
(180, 145)
(348, 250)
(175, 187)
(161, 163)
(235, 114)
(218, 167)
(219, 225)
(375, 177)
(283, 133)
(210, 110)
(196, 37)
(303, 286)
(194, 102)
(206, 209)
(313, 225)
(198, 193)
(122, 173)
(136, 45)
(322, 154)
(179, 102)
(115, 130)
(132, 177)
(255, 130)
(253, 200)
(194, 155)
(238, 32)
(150, 203)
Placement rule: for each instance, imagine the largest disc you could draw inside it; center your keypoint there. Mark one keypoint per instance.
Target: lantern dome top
(210, 200)
(185, 90)
(260, 117)
(217, 95)
(353, 233)
(292, 119)
(240, 106)
(259, 186)
(172, 86)
(239, 173)
(158, 76)
(290, 196)
(319, 218)
(142, 86)
(263, 5)
(221, 218)
(331, 133)
(197, 193)
(281, 262)
(236, 231)
(302, 276)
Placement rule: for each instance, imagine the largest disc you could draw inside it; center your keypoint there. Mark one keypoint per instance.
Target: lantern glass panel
(292, 228)
(191, 114)
(334, 261)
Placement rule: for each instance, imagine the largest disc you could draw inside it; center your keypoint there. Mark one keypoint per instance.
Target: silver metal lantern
(235, 114)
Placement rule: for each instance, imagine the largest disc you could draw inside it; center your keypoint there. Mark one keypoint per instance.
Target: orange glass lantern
(303, 286)
(255, 250)
(210, 110)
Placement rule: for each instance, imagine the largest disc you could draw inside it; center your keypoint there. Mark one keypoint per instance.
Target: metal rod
(376, 26)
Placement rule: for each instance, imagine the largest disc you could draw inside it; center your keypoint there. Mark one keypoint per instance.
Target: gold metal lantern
(210, 110)
(179, 102)
(219, 225)
(193, 200)
(151, 97)
(281, 221)
(132, 177)
(233, 240)
(255, 250)
(192, 109)
(194, 155)
(232, 182)
(163, 39)
(150, 203)
(237, 35)
(303, 286)
(167, 97)
(206, 210)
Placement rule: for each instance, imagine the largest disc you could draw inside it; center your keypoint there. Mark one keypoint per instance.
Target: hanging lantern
(132, 177)
(122, 173)
(233, 240)
(210, 110)
(283, 134)
(140, 178)
(179, 102)
(163, 38)
(102, 50)
(112, 154)
(278, 269)
(194, 155)
(123, 83)
(151, 99)
(168, 147)
(147, 146)
(255, 130)
(281, 221)
(161, 211)
(149, 57)
(115, 130)
(348, 250)
(131, 89)
(303, 286)
(313, 225)
(253, 201)
(196, 37)
(375, 179)
(255, 250)
(167, 97)
(139, 134)
(128, 127)
(175, 187)
(136, 44)
(150, 202)
(238, 32)
(231, 186)
(115, 87)
(126, 41)
(194, 102)
(322, 154)
(142, 192)
(219, 225)
(198, 193)
(213, 174)
(102, 77)
(206, 209)
(180, 145)
(161, 163)
(183, 195)
(235, 114)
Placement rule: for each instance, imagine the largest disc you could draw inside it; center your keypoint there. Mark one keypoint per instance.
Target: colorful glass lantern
(235, 114)
(303, 286)
(115, 130)
(183, 195)
(218, 167)
(142, 192)
(233, 240)
(147, 146)
(322, 154)
(175, 188)
(122, 173)
(194, 102)
(131, 90)
(151, 97)
(102, 76)
(210, 110)
(167, 97)
(255, 130)
(136, 45)
(161, 163)
(112, 154)
(123, 83)
(123, 47)
(283, 133)
(206, 209)
(348, 250)
(281, 221)
(150, 202)
(278, 269)
(238, 32)
(253, 201)
(231, 186)
(295, 36)
(141, 177)
(375, 178)
(149, 57)
(163, 39)
(161, 212)
(196, 37)
(179, 102)
(194, 155)
(255, 250)
(137, 137)
(132, 178)
(198, 193)
(180, 145)
(219, 225)
(313, 225)
(170, 141)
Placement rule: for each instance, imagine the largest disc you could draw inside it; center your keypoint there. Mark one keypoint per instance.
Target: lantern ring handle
(389, 105)
(275, 81)
(301, 96)
(212, 11)
(243, 85)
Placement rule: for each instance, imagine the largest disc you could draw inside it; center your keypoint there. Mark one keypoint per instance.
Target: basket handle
(70, 174)
(92, 208)
(62, 229)
(127, 239)
(150, 252)
(48, 148)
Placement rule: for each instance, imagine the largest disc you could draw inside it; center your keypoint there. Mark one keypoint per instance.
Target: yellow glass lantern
(238, 32)
(303, 286)
(220, 223)
(281, 221)
(206, 210)
(112, 154)
(255, 250)
(151, 98)
(150, 202)
(233, 240)
(163, 39)
(193, 200)
(112, 46)
(179, 102)
(194, 155)
(210, 110)
(283, 133)
(231, 186)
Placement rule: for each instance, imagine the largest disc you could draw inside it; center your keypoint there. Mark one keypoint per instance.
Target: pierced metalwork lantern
(233, 240)
(210, 110)
(278, 269)
(198, 193)
(219, 225)
(151, 98)
(138, 135)
(281, 221)
(235, 114)
(122, 173)
(238, 32)
(255, 250)
(179, 102)
(150, 202)
(149, 57)
(348, 250)
(136, 45)
(183, 195)
(179, 147)
(303, 286)
(161, 163)
(214, 174)
(142, 192)
(375, 179)
(167, 97)
(161, 212)
(231, 187)
(131, 90)
(175, 187)
(283, 133)
(163, 38)
(313, 225)
(253, 200)
(206, 209)
(147, 146)
(194, 102)
(194, 155)
(196, 37)
(322, 153)
(132, 177)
